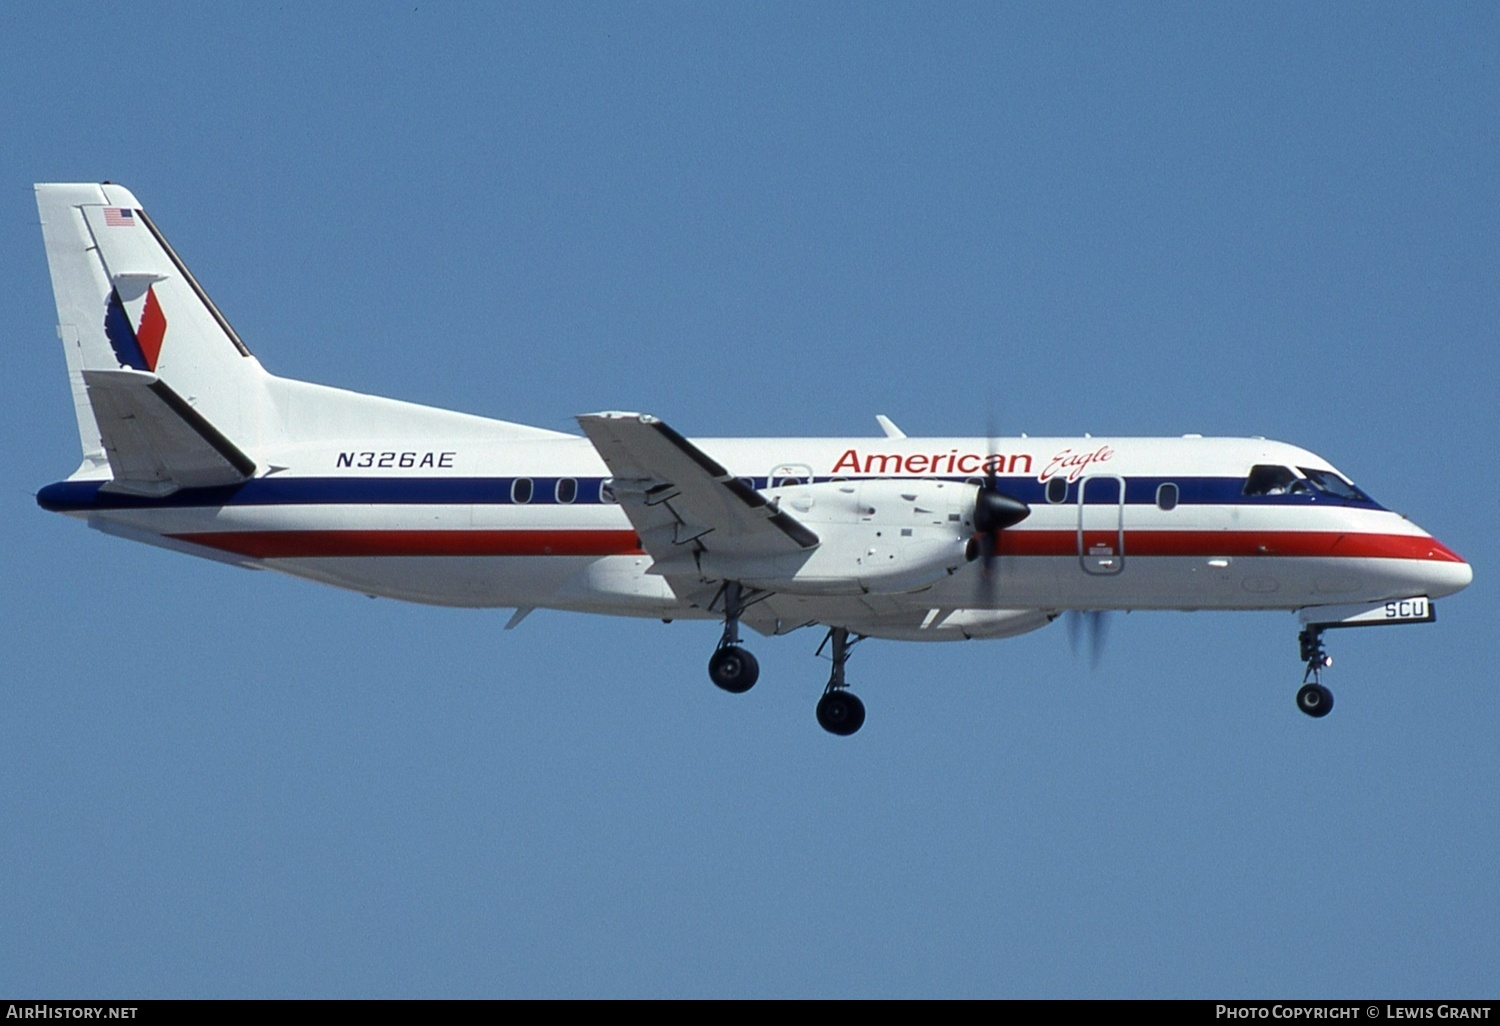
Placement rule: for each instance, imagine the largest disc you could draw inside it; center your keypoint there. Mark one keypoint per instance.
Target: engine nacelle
(877, 537)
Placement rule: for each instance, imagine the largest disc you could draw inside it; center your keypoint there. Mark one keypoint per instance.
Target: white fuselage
(188, 443)
(470, 522)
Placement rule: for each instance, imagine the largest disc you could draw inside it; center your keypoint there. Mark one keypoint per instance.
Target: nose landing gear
(1313, 698)
(839, 710)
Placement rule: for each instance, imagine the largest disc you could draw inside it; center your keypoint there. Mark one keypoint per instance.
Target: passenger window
(607, 491)
(1166, 497)
(567, 490)
(520, 490)
(1269, 480)
(1057, 490)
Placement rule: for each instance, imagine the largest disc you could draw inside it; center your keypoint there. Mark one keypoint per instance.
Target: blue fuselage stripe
(85, 496)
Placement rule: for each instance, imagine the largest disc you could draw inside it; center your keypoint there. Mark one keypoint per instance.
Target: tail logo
(135, 328)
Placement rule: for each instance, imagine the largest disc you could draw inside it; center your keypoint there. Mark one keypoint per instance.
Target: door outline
(1101, 535)
(800, 471)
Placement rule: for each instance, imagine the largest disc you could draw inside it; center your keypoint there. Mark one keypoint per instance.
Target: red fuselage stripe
(302, 544)
(1337, 544)
(305, 544)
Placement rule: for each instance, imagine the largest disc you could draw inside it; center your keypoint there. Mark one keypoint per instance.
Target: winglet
(889, 426)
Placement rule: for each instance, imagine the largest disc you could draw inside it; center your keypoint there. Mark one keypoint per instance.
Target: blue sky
(1273, 219)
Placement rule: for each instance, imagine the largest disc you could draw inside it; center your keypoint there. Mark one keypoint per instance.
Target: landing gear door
(1101, 524)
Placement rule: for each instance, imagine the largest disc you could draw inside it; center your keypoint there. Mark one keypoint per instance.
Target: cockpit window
(1269, 480)
(1328, 481)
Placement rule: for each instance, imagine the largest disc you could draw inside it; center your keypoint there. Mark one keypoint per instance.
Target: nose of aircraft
(1444, 571)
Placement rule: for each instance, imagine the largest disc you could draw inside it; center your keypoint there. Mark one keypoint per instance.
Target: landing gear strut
(1313, 698)
(839, 710)
(731, 667)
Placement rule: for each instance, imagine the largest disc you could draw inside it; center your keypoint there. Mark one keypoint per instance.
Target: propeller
(994, 511)
(1091, 622)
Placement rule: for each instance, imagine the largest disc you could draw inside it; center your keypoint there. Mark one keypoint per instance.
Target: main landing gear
(735, 670)
(839, 710)
(731, 667)
(1313, 698)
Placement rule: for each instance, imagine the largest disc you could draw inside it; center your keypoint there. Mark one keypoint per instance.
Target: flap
(681, 501)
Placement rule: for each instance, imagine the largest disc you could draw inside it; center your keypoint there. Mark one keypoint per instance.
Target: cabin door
(1101, 524)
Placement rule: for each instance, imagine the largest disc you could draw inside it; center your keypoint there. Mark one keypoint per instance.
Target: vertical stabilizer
(126, 302)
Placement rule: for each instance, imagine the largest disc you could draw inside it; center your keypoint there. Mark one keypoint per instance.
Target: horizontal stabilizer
(156, 442)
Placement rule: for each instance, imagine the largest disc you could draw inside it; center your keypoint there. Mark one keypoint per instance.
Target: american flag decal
(119, 217)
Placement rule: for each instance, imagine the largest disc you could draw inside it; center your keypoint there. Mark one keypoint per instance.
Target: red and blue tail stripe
(136, 348)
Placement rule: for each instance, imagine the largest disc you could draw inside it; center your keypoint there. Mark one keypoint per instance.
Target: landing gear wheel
(1315, 700)
(733, 669)
(841, 713)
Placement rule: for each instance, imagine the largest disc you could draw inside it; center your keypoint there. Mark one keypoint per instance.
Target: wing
(155, 441)
(682, 503)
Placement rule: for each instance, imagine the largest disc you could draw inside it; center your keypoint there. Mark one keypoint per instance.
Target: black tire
(1315, 700)
(733, 669)
(841, 713)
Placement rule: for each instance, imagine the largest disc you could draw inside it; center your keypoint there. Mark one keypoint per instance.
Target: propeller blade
(994, 511)
(1098, 635)
(1090, 623)
(988, 549)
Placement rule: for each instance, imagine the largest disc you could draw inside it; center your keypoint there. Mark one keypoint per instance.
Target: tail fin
(166, 394)
(125, 302)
